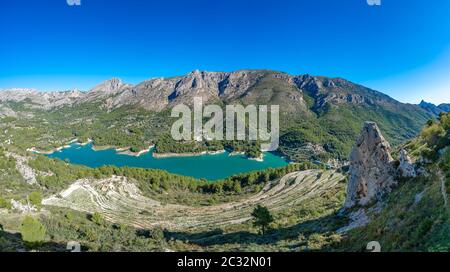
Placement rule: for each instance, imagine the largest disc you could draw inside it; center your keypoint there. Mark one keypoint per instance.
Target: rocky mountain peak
(371, 168)
(197, 72)
(109, 86)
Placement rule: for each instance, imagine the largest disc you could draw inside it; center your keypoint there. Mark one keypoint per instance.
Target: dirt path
(121, 201)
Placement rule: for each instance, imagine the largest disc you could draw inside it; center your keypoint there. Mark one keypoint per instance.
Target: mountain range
(246, 85)
(433, 109)
(319, 115)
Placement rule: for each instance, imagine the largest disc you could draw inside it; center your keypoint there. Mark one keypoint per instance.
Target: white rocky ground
(28, 173)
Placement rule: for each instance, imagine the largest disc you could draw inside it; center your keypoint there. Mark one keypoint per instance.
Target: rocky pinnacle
(371, 168)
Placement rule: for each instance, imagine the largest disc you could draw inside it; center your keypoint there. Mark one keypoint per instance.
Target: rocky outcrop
(406, 168)
(7, 112)
(22, 207)
(105, 90)
(28, 173)
(372, 169)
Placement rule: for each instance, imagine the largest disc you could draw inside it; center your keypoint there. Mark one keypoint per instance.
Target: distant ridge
(433, 109)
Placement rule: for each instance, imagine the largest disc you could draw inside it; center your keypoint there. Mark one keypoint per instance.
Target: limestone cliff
(372, 169)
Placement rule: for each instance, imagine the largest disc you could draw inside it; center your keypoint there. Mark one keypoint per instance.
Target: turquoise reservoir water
(211, 167)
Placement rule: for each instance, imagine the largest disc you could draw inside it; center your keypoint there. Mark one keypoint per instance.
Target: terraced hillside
(119, 200)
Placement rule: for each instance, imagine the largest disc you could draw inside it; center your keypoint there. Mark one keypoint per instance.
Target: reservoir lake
(209, 166)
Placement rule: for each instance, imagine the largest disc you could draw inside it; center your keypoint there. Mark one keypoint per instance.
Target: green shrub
(97, 218)
(35, 199)
(432, 134)
(157, 234)
(4, 203)
(33, 232)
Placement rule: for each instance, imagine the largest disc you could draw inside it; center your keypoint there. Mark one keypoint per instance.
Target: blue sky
(401, 48)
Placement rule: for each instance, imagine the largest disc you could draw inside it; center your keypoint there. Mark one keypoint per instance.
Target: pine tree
(262, 218)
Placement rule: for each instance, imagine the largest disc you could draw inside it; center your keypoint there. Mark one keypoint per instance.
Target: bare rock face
(22, 208)
(43, 100)
(371, 168)
(7, 112)
(406, 168)
(109, 86)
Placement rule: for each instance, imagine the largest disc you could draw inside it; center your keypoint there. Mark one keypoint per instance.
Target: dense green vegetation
(6, 163)
(35, 198)
(433, 144)
(165, 144)
(124, 127)
(334, 131)
(433, 140)
(57, 175)
(4, 203)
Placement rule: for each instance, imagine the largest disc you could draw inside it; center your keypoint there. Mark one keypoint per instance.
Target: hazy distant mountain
(444, 107)
(433, 109)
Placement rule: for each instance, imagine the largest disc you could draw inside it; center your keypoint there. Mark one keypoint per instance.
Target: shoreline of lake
(119, 150)
(125, 151)
(259, 159)
(57, 149)
(184, 155)
(213, 165)
(242, 153)
(54, 150)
